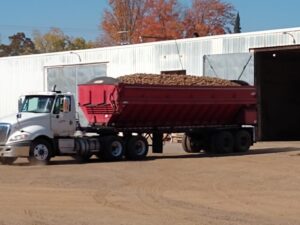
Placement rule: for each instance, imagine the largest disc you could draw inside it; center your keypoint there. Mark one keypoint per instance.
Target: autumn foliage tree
(209, 17)
(163, 20)
(122, 23)
(55, 40)
(127, 21)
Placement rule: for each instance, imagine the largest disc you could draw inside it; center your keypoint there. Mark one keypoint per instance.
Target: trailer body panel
(126, 106)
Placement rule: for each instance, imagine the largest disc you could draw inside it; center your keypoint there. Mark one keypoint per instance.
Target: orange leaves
(163, 20)
(131, 21)
(209, 17)
(122, 22)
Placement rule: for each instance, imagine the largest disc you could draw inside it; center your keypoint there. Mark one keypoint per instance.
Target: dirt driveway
(261, 187)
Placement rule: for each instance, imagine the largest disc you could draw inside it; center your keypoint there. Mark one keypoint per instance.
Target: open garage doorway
(277, 77)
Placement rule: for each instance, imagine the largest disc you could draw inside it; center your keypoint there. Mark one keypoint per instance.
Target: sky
(81, 18)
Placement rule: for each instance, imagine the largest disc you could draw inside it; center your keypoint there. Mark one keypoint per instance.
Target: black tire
(8, 160)
(243, 141)
(136, 148)
(222, 142)
(113, 148)
(82, 150)
(190, 144)
(40, 152)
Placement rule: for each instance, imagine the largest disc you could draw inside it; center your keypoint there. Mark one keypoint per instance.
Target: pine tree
(237, 24)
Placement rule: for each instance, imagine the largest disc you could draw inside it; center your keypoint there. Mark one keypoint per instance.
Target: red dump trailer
(215, 119)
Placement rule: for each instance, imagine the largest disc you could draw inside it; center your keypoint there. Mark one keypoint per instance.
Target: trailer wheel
(40, 152)
(242, 141)
(223, 142)
(190, 144)
(113, 148)
(136, 148)
(8, 160)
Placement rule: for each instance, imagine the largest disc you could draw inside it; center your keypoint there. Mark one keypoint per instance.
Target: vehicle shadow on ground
(178, 156)
(205, 155)
(58, 162)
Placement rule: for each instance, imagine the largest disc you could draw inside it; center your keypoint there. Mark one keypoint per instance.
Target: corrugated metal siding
(140, 60)
(26, 73)
(15, 79)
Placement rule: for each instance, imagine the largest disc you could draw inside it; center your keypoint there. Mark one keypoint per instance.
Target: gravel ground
(258, 187)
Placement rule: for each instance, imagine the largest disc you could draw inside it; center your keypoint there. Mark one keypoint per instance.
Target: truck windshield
(37, 104)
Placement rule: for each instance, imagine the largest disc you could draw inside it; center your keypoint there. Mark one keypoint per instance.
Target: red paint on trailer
(123, 105)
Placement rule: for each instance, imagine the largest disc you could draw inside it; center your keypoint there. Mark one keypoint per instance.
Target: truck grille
(4, 132)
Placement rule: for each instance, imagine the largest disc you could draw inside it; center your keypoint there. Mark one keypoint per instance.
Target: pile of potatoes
(174, 79)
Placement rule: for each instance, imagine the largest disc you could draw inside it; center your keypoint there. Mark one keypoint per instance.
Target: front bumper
(18, 149)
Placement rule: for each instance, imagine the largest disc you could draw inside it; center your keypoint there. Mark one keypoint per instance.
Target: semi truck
(214, 119)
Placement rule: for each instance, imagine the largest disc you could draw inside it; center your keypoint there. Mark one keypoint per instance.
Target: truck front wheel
(40, 152)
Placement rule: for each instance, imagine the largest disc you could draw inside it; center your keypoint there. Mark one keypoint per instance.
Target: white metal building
(231, 56)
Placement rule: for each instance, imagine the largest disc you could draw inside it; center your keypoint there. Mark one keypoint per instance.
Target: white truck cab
(42, 117)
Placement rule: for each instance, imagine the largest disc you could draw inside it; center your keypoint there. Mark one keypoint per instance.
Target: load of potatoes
(174, 80)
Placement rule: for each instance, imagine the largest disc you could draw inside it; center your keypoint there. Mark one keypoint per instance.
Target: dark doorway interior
(277, 77)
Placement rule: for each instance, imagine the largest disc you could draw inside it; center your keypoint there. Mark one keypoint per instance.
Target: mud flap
(157, 146)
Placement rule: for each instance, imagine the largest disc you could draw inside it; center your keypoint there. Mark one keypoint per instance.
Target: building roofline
(273, 31)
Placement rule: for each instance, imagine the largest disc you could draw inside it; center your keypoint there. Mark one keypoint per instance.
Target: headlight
(19, 137)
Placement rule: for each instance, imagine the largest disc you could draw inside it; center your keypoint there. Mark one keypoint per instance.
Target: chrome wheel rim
(40, 152)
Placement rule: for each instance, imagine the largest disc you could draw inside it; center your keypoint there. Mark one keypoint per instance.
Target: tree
(55, 40)
(19, 45)
(237, 24)
(128, 20)
(80, 43)
(122, 22)
(209, 17)
(163, 20)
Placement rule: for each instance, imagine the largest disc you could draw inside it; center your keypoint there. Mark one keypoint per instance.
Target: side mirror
(66, 105)
(20, 103)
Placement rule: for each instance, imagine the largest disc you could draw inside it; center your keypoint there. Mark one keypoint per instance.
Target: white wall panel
(26, 73)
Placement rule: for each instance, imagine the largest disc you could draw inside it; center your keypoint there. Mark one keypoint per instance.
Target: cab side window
(59, 104)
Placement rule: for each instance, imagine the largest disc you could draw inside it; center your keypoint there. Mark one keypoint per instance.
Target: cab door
(63, 119)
